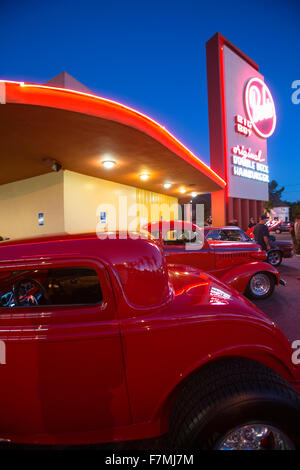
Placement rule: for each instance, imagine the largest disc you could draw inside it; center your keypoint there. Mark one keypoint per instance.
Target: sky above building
(150, 55)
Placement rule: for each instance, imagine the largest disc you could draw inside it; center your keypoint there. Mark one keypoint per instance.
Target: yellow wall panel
(72, 202)
(22, 201)
(152, 207)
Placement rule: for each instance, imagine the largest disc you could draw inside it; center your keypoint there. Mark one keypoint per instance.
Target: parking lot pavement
(283, 307)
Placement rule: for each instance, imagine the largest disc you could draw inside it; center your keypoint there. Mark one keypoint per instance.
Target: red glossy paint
(285, 247)
(110, 372)
(232, 262)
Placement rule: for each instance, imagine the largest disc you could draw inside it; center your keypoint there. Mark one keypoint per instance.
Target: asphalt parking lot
(283, 307)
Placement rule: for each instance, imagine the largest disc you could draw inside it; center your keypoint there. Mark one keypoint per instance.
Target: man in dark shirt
(261, 233)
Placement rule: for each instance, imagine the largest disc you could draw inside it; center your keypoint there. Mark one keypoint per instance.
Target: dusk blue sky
(151, 55)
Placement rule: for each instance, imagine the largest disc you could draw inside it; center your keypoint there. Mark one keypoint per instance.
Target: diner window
(42, 287)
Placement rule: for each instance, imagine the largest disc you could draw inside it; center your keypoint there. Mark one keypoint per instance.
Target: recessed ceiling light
(108, 164)
(182, 190)
(167, 185)
(194, 194)
(144, 176)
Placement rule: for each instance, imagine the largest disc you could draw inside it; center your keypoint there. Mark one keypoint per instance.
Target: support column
(260, 208)
(237, 209)
(245, 214)
(253, 210)
(230, 212)
(218, 208)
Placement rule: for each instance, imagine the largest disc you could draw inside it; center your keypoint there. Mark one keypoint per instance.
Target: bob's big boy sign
(242, 116)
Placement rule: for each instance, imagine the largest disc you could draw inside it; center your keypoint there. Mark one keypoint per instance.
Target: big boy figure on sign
(260, 107)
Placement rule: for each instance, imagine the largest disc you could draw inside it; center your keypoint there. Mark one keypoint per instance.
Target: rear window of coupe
(42, 287)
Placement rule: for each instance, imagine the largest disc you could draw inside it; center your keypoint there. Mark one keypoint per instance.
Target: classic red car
(279, 248)
(101, 342)
(283, 227)
(239, 265)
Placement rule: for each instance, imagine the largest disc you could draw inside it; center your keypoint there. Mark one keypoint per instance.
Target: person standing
(233, 223)
(252, 223)
(261, 233)
(296, 234)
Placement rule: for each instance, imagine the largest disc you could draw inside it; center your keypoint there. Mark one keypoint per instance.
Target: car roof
(70, 237)
(137, 260)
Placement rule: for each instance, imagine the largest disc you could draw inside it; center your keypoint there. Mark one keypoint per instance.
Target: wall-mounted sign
(103, 217)
(260, 107)
(41, 218)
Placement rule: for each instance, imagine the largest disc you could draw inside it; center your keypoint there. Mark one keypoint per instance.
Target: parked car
(239, 265)
(101, 341)
(283, 227)
(279, 248)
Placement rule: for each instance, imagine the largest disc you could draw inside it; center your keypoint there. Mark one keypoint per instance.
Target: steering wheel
(30, 292)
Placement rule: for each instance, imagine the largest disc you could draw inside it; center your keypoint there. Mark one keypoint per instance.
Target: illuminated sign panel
(260, 107)
(250, 118)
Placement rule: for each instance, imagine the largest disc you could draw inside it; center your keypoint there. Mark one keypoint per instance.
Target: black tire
(228, 394)
(252, 293)
(271, 258)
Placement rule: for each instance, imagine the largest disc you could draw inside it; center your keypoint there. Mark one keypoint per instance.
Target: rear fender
(239, 276)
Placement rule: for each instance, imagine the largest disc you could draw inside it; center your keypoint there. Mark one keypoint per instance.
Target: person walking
(261, 233)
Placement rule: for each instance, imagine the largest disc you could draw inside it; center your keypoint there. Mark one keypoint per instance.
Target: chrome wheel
(274, 258)
(255, 437)
(260, 284)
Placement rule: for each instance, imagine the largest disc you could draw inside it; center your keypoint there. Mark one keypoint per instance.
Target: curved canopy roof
(78, 129)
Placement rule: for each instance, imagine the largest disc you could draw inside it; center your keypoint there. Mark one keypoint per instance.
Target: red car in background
(101, 341)
(279, 248)
(239, 265)
(282, 227)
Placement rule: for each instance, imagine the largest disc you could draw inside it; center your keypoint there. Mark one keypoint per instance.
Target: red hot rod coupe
(239, 265)
(102, 342)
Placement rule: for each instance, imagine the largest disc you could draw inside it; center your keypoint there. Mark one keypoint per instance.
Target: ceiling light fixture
(108, 164)
(182, 190)
(167, 185)
(144, 176)
(194, 194)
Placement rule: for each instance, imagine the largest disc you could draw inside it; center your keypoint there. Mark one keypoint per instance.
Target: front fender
(238, 277)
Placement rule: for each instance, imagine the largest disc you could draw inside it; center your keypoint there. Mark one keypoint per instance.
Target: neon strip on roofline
(128, 108)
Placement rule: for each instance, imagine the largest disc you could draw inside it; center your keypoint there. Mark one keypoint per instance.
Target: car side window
(231, 235)
(245, 237)
(182, 237)
(213, 235)
(59, 286)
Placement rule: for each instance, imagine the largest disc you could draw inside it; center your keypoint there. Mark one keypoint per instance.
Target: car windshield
(229, 235)
(182, 237)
